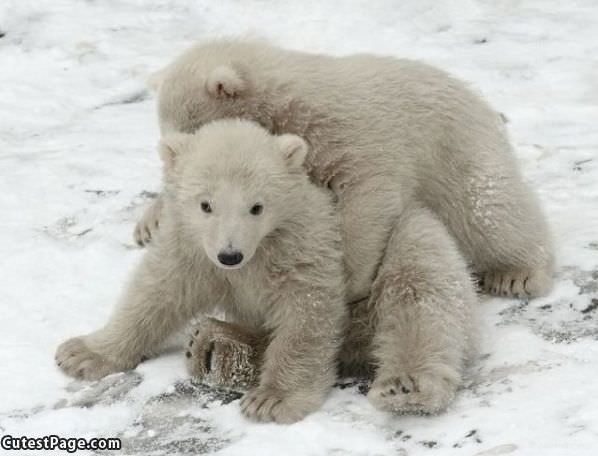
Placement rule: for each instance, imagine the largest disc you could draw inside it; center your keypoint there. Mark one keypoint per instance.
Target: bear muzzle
(230, 258)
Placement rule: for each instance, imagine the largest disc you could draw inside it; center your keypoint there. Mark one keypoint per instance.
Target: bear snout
(230, 258)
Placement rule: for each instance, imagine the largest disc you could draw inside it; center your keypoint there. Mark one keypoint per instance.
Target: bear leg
(500, 228)
(422, 300)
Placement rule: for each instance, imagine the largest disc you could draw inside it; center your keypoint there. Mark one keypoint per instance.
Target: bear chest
(251, 300)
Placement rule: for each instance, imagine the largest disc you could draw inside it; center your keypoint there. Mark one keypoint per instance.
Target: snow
(78, 162)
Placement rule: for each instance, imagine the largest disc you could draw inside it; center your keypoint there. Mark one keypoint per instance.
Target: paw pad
(213, 357)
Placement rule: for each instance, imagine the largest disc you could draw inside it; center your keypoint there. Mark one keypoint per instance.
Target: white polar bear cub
(244, 230)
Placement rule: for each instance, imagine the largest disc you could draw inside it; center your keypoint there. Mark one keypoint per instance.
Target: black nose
(230, 258)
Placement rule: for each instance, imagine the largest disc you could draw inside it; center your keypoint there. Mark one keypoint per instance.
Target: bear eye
(206, 207)
(256, 209)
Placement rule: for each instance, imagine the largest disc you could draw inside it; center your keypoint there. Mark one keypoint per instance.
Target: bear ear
(170, 147)
(227, 81)
(294, 150)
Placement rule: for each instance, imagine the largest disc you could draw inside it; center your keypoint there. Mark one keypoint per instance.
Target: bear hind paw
(516, 284)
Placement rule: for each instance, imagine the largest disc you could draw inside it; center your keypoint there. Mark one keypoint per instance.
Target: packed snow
(78, 131)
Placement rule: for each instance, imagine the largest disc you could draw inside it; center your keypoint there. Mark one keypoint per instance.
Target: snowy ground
(78, 161)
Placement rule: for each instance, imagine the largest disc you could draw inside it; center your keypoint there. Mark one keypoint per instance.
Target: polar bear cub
(383, 133)
(243, 230)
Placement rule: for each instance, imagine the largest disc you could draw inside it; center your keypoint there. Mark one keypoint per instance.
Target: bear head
(232, 184)
(215, 80)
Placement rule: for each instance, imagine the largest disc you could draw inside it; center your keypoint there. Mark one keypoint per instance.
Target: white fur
(426, 182)
(289, 286)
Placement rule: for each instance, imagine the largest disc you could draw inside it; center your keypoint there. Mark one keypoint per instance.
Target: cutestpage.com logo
(55, 442)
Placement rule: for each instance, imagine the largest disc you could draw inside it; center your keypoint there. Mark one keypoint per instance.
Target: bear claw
(516, 284)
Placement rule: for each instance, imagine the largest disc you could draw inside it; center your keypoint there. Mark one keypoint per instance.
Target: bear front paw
(77, 360)
(147, 225)
(265, 405)
(218, 354)
(411, 393)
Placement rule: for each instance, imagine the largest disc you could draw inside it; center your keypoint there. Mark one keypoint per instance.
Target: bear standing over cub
(427, 190)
